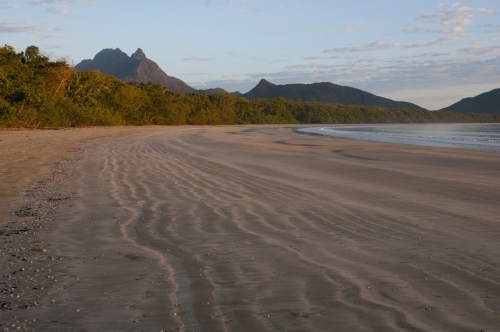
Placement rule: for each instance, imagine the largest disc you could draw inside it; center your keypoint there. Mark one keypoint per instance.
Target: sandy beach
(244, 228)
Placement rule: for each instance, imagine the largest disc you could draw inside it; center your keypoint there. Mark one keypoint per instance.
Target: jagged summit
(265, 83)
(136, 68)
(139, 55)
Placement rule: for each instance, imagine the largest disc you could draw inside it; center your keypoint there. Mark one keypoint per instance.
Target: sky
(432, 53)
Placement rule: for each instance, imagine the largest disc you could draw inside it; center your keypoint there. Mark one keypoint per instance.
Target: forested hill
(212, 91)
(324, 93)
(488, 102)
(136, 68)
(36, 92)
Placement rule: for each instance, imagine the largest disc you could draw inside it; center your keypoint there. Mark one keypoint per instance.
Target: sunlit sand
(247, 228)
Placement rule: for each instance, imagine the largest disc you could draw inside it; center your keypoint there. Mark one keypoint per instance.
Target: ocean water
(468, 136)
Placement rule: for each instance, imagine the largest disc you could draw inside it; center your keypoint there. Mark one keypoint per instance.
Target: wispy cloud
(58, 9)
(315, 57)
(491, 28)
(381, 45)
(62, 6)
(6, 7)
(450, 21)
(374, 46)
(348, 28)
(9, 27)
(438, 42)
(337, 50)
(476, 50)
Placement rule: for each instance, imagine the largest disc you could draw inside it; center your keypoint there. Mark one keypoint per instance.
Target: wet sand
(255, 228)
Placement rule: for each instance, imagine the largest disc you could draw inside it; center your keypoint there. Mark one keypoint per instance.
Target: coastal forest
(37, 92)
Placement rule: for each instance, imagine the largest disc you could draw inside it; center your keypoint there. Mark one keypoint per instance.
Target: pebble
(23, 258)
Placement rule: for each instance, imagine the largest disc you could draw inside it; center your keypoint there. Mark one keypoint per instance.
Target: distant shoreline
(458, 136)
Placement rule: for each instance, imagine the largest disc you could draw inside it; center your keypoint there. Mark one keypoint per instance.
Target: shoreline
(443, 138)
(254, 227)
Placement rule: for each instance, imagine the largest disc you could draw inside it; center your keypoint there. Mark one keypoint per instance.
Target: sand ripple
(261, 229)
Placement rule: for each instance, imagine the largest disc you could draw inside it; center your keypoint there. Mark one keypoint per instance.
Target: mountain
(136, 68)
(324, 93)
(488, 102)
(212, 91)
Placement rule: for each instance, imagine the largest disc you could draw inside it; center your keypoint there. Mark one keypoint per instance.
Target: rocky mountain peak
(139, 55)
(265, 83)
(136, 68)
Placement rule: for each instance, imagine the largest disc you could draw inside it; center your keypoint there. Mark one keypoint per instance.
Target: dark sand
(255, 228)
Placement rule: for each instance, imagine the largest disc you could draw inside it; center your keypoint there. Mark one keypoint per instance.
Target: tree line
(36, 92)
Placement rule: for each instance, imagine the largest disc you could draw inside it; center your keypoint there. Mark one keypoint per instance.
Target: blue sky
(428, 52)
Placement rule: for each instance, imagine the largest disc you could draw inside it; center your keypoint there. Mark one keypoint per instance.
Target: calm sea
(469, 136)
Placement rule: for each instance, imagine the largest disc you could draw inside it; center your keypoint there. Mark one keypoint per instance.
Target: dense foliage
(37, 92)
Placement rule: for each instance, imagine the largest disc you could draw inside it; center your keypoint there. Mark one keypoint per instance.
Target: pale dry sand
(25, 155)
(256, 228)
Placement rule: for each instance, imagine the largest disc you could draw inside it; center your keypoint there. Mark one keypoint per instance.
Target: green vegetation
(36, 92)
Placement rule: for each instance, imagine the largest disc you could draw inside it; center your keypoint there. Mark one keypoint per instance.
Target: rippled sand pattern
(263, 229)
